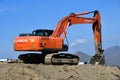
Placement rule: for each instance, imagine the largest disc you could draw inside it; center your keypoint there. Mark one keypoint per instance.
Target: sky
(24, 16)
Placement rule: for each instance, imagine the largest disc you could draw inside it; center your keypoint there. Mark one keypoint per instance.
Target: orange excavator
(51, 42)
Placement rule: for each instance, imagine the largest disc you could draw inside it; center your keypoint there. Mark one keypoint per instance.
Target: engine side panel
(37, 43)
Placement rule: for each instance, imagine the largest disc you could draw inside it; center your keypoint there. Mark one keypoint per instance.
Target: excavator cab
(42, 32)
(38, 32)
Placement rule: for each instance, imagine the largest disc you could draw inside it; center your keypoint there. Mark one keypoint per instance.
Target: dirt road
(21, 71)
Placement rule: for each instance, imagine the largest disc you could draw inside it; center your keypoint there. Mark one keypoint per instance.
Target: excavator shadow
(32, 58)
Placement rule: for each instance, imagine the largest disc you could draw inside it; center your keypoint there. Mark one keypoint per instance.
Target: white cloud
(78, 41)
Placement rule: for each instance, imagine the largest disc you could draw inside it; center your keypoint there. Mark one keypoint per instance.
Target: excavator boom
(72, 19)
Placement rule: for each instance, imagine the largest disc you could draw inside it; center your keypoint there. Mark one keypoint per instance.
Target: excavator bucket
(97, 60)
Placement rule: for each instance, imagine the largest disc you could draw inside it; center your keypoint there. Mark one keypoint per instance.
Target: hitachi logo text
(22, 40)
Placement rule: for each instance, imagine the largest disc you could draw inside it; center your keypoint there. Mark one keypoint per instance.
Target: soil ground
(21, 71)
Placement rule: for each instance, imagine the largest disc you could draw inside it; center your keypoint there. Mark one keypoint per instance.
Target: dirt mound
(20, 71)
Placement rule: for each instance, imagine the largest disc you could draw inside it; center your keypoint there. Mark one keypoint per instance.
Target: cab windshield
(42, 32)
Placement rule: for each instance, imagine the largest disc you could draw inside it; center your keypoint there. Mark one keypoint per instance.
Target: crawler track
(49, 59)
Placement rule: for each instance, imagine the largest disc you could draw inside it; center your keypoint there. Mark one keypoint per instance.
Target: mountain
(83, 56)
(112, 56)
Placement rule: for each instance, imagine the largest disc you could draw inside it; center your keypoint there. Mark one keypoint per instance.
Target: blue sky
(24, 16)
